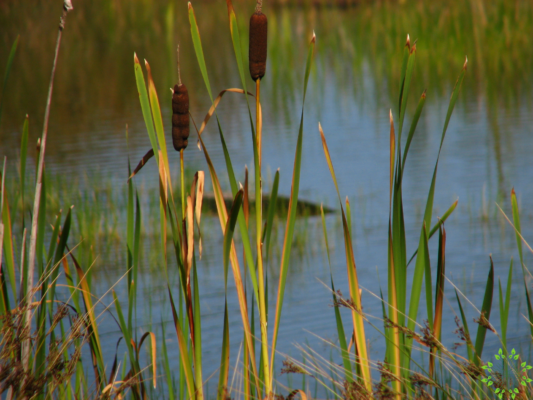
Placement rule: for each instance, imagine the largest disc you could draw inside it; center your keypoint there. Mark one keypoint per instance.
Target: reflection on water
(487, 150)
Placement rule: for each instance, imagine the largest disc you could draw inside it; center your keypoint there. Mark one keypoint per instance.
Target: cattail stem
(182, 173)
(259, 120)
(179, 73)
(67, 6)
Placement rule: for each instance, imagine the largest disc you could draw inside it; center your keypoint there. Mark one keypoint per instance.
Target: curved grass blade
(166, 364)
(414, 123)
(197, 42)
(154, 354)
(357, 317)
(439, 223)
(145, 106)
(158, 121)
(230, 229)
(348, 374)
(224, 358)
(469, 345)
(516, 220)
(184, 353)
(271, 212)
(149, 154)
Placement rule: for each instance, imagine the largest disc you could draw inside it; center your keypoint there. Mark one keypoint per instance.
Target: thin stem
(182, 186)
(260, 271)
(67, 6)
(179, 73)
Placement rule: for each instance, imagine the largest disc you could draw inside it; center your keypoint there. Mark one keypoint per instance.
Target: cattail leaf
(166, 364)
(6, 231)
(439, 297)
(184, 353)
(519, 238)
(197, 42)
(357, 317)
(485, 314)
(405, 94)
(158, 120)
(229, 230)
(127, 336)
(271, 212)
(437, 226)
(145, 106)
(406, 51)
(153, 342)
(236, 40)
(348, 374)
(412, 129)
(224, 358)
(94, 337)
(469, 345)
(197, 335)
(453, 100)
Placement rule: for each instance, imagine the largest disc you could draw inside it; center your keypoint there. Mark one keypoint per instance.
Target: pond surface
(354, 84)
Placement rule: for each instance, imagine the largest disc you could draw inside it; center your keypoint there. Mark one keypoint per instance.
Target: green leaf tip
(313, 39)
(136, 59)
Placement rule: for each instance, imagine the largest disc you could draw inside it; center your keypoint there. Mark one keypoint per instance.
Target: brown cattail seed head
(258, 45)
(180, 117)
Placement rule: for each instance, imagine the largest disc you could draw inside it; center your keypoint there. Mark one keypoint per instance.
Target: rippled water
(487, 150)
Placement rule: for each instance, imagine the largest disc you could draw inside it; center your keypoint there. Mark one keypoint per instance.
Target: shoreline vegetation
(51, 340)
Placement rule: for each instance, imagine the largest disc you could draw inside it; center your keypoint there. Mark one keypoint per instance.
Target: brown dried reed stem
(67, 6)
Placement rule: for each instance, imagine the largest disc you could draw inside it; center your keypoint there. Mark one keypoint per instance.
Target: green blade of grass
(236, 39)
(469, 345)
(23, 157)
(439, 296)
(291, 214)
(406, 51)
(197, 42)
(158, 121)
(504, 311)
(145, 106)
(224, 358)
(184, 352)
(357, 317)
(485, 315)
(412, 129)
(197, 335)
(441, 221)
(405, 94)
(271, 212)
(228, 232)
(516, 220)
(166, 365)
(9, 260)
(127, 336)
(429, 284)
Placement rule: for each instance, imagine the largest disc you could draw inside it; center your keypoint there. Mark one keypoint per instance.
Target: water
(354, 84)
